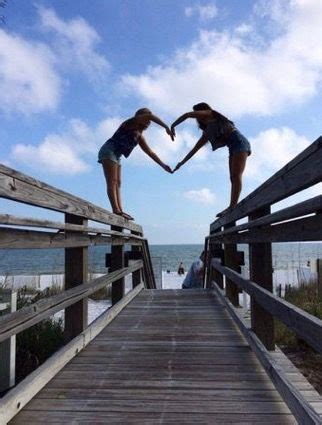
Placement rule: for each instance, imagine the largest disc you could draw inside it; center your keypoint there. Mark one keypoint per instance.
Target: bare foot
(127, 216)
(118, 213)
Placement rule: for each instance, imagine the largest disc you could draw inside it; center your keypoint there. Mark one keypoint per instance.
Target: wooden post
(117, 262)
(319, 273)
(231, 261)
(206, 278)
(76, 273)
(8, 304)
(214, 274)
(261, 272)
(136, 276)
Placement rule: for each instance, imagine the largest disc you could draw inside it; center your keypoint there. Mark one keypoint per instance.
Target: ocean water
(288, 256)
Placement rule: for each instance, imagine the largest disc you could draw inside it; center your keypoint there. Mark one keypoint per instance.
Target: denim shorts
(238, 143)
(109, 151)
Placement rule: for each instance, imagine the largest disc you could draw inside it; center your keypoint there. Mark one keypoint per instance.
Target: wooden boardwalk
(169, 356)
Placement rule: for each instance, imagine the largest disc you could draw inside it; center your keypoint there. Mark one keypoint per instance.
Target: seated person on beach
(180, 269)
(194, 278)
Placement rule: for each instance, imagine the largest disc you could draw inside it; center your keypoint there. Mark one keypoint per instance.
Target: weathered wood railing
(75, 236)
(300, 222)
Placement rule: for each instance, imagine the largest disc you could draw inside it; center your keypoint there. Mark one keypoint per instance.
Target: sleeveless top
(125, 140)
(216, 131)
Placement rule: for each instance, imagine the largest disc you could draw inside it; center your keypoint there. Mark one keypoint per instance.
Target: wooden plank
(184, 395)
(136, 276)
(146, 378)
(8, 297)
(261, 271)
(319, 271)
(231, 262)
(302, 323)
(117, 262)
(26, 317)
(304, 229)
(23, 239)
(20, 187)
(298, 210)
(299, 406)
(76, 274)
(148, 269)
(154, 406)
(300, 173)
(17, 398)
(151, 418)
(8, 219)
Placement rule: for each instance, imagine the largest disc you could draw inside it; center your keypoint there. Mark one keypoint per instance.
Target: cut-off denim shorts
(109, 151)
(238, 143)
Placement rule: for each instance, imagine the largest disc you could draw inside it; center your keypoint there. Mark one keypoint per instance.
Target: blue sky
(70, 72)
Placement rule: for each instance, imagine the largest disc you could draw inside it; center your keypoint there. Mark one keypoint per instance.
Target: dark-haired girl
(219, 131)
(123, 141)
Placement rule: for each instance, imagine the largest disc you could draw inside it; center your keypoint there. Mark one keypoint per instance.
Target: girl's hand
(167, 168)
(170, 133)
(173, 130)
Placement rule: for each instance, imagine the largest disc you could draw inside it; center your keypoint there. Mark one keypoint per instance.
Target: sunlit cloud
(29, 82)
(242, 72)
(201, 196)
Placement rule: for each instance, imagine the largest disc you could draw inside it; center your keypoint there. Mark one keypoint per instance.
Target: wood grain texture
(20, 187)
(16, 399)
(302, 323)
(170, 356)
(302, 172)
(14, 323)
(285, 378)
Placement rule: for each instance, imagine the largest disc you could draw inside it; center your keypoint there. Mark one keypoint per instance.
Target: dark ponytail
(202, 106)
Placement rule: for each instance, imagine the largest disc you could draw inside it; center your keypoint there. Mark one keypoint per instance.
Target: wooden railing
(75, 236)
(300, 222)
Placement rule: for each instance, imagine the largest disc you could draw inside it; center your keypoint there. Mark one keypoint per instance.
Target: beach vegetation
(305, 296)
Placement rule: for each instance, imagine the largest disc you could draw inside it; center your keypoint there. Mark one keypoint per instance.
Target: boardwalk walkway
(169, 356)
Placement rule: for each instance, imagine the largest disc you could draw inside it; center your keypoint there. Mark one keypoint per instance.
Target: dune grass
(301, 354)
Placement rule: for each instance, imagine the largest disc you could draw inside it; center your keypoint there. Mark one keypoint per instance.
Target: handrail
(296, 223)
(305, 325)
(302, 172)
(75, 236)
(16, 322)
(8, 219)
(310, 206)
(20, 187)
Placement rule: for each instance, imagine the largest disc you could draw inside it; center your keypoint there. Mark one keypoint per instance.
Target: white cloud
(239, 73)
(271, 150)
(69, 152)
(201, 196)
(75, 44)
(204, 12)
(31, 72)
(28, 80)
(53, 156)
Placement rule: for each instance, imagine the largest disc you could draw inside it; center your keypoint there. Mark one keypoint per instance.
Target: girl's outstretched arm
(158, 121)
(192, 114)
(201, 142)
(146, 149)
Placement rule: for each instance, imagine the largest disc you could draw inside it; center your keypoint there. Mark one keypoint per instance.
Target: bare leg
(237, 165)
(110, 169)
(118, 188)
(118, 195)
